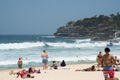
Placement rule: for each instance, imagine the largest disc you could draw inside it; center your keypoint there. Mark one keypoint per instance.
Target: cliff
(97, 27)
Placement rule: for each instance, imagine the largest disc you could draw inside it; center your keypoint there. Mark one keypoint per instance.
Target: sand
(63, 73)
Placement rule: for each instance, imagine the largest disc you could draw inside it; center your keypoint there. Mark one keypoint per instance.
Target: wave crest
(76, 44)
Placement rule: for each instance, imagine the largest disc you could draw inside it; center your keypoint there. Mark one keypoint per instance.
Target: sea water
(30, 47)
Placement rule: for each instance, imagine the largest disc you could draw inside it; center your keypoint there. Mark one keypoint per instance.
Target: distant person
(107, 63)
(99, 59)
(32, 70)
(54, 65)
(24, 74)
(92, 68)
(44, 57)
(62, 64)
(20, 63)
(116, 61)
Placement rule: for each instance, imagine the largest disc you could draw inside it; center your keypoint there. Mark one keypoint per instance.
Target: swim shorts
(108, 70)
(44, 60)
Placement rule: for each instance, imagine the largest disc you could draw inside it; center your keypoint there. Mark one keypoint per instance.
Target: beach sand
(63, 73)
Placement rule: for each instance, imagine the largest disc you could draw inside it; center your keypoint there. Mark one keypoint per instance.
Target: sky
(46, 16)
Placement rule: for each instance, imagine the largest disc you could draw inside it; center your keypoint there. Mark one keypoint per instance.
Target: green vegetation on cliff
(97, 27)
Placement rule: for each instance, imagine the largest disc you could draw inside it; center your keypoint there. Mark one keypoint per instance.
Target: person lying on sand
(92, 68)
(24, 74)
(33, 70)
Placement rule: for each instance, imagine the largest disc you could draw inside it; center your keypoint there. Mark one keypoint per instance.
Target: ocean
(30, 47)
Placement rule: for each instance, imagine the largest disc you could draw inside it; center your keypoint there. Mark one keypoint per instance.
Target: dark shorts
(45, 60)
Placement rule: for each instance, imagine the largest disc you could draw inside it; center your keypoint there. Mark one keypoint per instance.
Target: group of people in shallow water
(105, 62)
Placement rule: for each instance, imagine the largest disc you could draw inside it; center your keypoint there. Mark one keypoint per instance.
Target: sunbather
(92, 68)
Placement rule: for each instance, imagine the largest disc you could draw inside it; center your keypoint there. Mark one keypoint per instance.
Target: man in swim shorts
(44, 57)
(107, 62)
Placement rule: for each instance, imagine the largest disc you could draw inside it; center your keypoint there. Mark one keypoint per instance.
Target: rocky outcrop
(97, 28)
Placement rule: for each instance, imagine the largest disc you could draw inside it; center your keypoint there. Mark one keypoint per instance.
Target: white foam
(77, 44)
(21, 45)
(82, 40)
(53, 44)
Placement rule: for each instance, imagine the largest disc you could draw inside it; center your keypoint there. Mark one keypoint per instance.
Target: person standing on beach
(44, 57)
(99, 59)
(107, 63)
(19, 63)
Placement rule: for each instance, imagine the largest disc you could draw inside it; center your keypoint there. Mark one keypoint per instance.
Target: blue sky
(46, 16)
